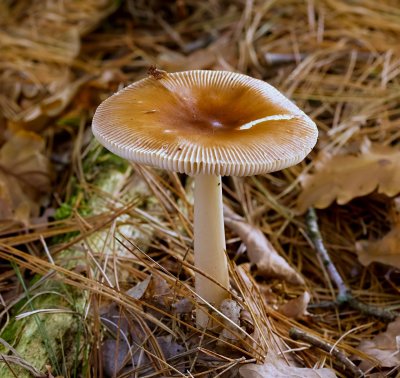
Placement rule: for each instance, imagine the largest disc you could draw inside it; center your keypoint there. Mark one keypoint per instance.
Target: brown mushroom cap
(210, 122)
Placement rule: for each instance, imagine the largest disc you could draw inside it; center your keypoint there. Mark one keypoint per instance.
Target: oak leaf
(384, 347)
(387, 249)
(24, 176)
(260, 251)
(344, 177)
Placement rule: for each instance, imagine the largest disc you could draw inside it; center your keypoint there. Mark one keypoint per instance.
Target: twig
(297, 334)
(344, 296)
(19, 361)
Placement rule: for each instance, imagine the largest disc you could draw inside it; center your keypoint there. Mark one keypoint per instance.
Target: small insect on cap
(209, 122)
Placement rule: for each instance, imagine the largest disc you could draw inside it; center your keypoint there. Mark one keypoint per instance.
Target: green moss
(10, 335)
(44, 338)
(72, 121)
(98, 165)
(99, 160)
(63, 212)
(57, 338)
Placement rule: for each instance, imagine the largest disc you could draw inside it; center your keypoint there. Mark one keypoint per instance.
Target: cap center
(216, 124)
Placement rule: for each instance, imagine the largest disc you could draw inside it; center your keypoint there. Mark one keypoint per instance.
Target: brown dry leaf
(260, 251)
(385, 347)
(34, 117)
(126, 351)
(118, 356)
(277, 367)
(140, 288)
(153, 288)
(24, 176)
(115, 354)
(169, 347)
(345, 177)
(183, 306)
(40, 43)
(296, 308)
(385, 250)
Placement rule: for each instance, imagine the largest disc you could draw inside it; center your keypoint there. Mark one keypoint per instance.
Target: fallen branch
(344, 296)
(297, 334)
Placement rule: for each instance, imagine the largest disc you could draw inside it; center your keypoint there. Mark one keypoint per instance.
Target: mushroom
(206, 124)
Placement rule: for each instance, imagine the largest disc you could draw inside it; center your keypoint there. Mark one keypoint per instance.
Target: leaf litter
(25, 177)
(338, 60)
(384, 348)
(387, 249)
(277, 367)
(345, 177)
(296, 308)
(126, 346)
(261, 253)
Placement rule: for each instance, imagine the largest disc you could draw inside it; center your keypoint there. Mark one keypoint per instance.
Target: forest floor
(96, 270)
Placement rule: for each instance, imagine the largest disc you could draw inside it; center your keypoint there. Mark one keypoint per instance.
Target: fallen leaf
(24, 176)
(114, 354)
(296, 308)
(385, 347)
(126, 344)
(119, 347)
(36, 116)
(119, 358)
(260, 251)
(140, 288)
(169, 347)
(183, 306)
(38, 53)
(387, 249)
(153, 289)
(277, 367)
(344, 177)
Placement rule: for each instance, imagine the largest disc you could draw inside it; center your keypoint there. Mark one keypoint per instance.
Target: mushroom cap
(205, 122)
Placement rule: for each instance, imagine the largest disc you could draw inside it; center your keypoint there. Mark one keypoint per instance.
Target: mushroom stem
(209, 243)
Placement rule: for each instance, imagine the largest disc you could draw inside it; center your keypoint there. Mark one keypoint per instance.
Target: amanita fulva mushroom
(206, 124)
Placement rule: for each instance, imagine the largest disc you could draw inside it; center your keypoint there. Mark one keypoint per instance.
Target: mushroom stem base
(209, 244)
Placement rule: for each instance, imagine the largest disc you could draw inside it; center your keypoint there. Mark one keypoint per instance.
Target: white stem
(209, 243)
